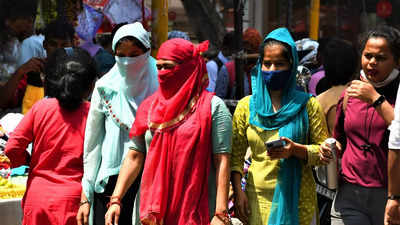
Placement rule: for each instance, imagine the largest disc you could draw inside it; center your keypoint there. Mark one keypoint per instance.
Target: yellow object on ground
(10, 190)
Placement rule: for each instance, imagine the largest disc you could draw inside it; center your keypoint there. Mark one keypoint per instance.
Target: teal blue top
(221, 131)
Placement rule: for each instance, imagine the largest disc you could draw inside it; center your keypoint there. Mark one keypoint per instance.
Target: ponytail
(69, 75)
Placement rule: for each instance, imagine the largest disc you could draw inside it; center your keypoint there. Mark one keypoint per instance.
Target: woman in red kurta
(56, 128)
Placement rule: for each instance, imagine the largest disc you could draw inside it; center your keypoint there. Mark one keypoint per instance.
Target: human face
(274, 58)
(52, 44)
(165, 64)
(21, 28)
(377, 60)
(128, 49)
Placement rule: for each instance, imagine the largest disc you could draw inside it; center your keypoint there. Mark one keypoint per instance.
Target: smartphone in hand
(274, 144)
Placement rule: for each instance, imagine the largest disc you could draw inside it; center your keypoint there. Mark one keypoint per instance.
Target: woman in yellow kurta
(280, 186)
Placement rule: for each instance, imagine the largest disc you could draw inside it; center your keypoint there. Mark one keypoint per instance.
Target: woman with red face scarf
(185, 133)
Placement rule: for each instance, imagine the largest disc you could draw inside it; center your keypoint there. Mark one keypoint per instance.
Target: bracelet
(114, 200)
(114, 203)
(223, 216)
(83, 202)
(394, 197)
(378, 101)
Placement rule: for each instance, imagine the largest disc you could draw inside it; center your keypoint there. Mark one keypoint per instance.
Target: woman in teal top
(114, 102)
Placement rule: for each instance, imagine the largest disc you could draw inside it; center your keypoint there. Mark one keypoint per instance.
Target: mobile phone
(275, 144)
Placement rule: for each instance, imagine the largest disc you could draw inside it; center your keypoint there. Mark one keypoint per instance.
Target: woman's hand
(112, 215)
(82, 217)
(363, 91)
(242, 209)
(325, 153)
(392, 212)
(220, 221)
(282, 152)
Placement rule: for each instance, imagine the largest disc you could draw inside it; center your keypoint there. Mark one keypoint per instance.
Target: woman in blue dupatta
(280, 187)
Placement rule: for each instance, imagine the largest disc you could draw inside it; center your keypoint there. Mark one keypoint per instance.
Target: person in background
(364, 112)
(214, 65)
(56, 127)
(16, 22)
(340, 65)
(114, 103)
(225, 86)
(319, 73)
(185, 133)
(178, 34)
(210, 54)
(30, 48)
(280, 187)
(104, 60)
(57, 34)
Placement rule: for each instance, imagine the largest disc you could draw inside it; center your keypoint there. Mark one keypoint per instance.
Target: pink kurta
(56, 165)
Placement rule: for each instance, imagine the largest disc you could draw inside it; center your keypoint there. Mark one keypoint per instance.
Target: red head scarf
(174, 188)
(179, 86)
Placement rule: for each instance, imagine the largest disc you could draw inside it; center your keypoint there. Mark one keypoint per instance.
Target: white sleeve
(394, 138)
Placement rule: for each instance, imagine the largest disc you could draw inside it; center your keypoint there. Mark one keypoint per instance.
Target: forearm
(299, 151)
(394, 172)
(129, 171)
(83, 197)
(8, 89)
(221, 162)
(236, 179)
(386, 111)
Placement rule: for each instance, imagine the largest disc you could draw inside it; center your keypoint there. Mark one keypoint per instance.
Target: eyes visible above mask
(165, 64)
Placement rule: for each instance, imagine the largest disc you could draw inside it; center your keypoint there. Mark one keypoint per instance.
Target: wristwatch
(378, 101)
(394, 197)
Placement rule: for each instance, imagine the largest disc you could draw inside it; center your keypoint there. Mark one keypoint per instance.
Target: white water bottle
(331, 168)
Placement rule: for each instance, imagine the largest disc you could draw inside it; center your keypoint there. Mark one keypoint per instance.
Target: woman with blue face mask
(115, 100)
(280, 186)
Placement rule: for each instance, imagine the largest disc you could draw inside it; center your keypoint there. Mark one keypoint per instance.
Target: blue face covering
(276, 80)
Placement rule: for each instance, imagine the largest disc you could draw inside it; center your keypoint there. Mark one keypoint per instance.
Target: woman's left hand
(282, 152)
(363, 91)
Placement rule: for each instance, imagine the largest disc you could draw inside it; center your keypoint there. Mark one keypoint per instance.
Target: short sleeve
(394, 137)
(221, 126)
(138, 144)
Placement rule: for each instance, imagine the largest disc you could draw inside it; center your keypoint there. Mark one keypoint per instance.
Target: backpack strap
(219, 63)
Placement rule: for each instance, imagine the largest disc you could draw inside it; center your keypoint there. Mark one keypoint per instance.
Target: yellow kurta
(263, 172)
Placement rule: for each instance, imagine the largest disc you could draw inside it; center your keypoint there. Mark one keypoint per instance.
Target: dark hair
(69, 73)
(134, 40)
(210, 53)
(229, 40)
(341, 61)
(12, 10)
(115, 28)
(20, 9)
(287, 50)
(60, 29)
(390, 34)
